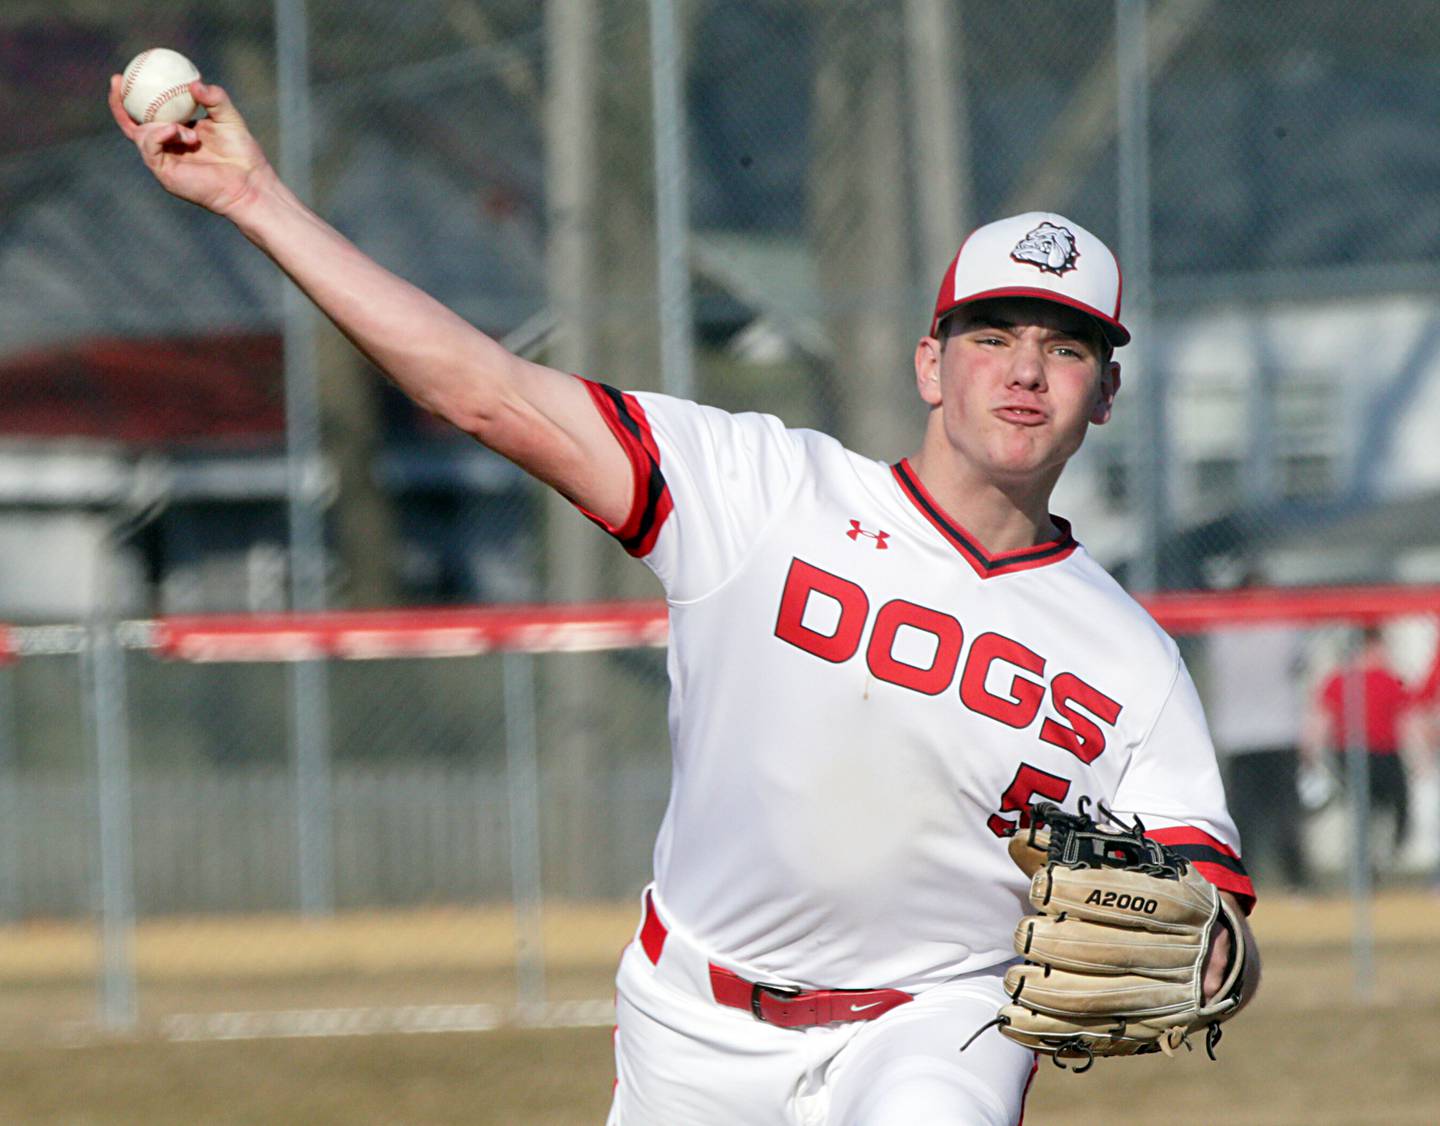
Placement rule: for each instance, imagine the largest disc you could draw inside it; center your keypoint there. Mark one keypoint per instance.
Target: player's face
(1016, 385)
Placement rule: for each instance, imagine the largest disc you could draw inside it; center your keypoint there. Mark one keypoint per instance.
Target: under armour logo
(856, 532)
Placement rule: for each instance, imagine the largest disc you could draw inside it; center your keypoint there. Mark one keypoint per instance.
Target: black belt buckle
(783, 992)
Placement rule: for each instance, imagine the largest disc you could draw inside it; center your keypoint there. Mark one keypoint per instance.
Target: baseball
(155, 87)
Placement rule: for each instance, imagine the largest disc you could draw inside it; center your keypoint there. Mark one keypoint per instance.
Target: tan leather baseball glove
(1115, 960)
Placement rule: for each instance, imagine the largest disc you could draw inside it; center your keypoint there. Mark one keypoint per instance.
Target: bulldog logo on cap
(1049, 247)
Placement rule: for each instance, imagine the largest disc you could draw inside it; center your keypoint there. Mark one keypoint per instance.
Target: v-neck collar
(985, 565)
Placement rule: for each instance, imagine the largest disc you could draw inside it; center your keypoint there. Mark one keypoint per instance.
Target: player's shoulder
(1095, 589)
(659, 404)
(686, 423)
(686, 417)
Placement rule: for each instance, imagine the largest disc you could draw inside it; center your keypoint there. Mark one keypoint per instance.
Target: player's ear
(927, 370)
(1105, 396)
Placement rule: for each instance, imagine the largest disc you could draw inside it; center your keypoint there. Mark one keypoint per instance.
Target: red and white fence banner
(1202, 611)
(371, 634)
(585, 627)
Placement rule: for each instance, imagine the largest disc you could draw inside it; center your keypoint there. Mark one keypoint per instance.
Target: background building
(177, 437)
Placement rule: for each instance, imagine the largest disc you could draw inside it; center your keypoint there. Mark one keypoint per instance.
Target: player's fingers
(1065, 994)
(117, 109)
(1030, 850)
(154, 138)
(1216, 964)
(218, 106)
(1120, 898)
(1072, 944)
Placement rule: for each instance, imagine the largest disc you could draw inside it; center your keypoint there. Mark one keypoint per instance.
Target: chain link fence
(458, 852)
(1261, 167)
(469, 876)
(751, 201)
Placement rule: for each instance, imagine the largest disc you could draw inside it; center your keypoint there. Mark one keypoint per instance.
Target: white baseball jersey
(863, 700)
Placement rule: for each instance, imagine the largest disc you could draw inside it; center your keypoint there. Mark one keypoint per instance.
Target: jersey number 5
(1029, 783)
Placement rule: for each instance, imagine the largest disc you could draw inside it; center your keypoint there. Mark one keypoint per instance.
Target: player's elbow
(504, 421)
(476, 415)
(477, 398)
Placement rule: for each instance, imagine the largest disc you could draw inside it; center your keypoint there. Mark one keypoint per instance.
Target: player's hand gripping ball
(1115, 960)
(156, 87)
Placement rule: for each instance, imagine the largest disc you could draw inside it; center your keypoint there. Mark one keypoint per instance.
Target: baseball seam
(164, 96)
(134, 73)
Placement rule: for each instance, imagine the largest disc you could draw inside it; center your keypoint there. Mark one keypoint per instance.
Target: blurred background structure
(746, 201)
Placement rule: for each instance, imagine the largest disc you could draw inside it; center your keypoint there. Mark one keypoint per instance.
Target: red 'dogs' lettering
(1083, 738)
(805, 580)
(1025, 695)
(1079, 709)
(948, 638)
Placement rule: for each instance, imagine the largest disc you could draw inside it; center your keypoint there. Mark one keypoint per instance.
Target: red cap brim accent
(1116, 333)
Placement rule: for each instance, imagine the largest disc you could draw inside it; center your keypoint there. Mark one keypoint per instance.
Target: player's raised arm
(539, 418)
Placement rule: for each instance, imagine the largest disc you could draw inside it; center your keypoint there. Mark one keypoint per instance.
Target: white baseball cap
(1038, 254)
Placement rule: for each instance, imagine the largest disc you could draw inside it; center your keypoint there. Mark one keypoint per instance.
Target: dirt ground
(1310, 1050)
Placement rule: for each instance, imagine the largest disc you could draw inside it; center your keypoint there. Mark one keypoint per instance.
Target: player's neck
(1002, 516)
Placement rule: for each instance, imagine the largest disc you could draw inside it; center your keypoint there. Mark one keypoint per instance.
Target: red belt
(785, 1006)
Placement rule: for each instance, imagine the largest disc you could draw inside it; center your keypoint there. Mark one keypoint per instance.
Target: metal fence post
(309, 682)
(310, 739)
(522, 779)
(9, 801)
(935, 46)
(1150, 454)
(1357, 775)
(672, 203)
(113, 838)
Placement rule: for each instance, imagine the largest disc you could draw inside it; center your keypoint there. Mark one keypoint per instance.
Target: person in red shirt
(1427, 696)
(1387, 704)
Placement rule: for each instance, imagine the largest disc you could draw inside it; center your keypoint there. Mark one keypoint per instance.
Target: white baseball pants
(681, 1057)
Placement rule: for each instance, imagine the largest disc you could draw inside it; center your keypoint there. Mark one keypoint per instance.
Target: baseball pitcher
(943, 797)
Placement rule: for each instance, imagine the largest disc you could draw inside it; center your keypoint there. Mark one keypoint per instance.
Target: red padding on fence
(458, 632)
(1201, 611)
(357, 635)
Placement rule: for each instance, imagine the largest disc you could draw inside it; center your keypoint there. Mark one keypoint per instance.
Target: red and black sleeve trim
(1213, 860)
(651, 502)
(984, 564)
